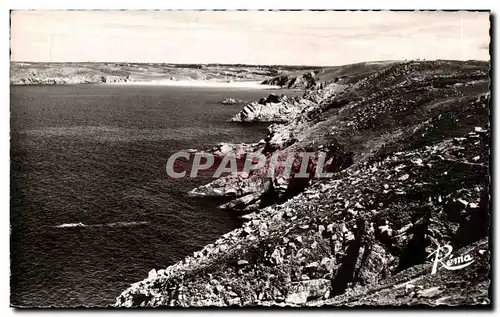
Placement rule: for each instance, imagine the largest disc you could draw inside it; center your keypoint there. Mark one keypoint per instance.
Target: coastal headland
(408, 144)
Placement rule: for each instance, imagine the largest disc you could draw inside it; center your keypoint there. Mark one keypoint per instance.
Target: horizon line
(245, 64)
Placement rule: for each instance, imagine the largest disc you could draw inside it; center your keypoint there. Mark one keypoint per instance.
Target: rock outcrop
(231, 101)
(97, 79)
(274, 108)
(410, 147)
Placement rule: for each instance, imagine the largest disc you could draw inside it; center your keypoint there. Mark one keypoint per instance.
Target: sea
(92, 208)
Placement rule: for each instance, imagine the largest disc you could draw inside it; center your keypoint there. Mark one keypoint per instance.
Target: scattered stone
(359, 206)
(312, 265)
(242, 262)
(430, 292)
(404, 177)
(277, 256)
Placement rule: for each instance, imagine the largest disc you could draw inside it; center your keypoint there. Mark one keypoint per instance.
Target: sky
(251, 37)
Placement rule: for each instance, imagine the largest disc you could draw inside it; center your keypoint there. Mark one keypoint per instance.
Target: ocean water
(92, 209)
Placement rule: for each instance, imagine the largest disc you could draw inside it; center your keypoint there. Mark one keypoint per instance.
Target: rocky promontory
(409, 146)
(274, 108)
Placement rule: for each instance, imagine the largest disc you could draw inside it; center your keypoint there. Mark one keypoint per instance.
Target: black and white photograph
(250, 158)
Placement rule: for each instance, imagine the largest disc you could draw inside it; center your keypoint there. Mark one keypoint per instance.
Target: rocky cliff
(293, 81)
(409, 145)
(274, 108)
(319, 77)
(318, 85)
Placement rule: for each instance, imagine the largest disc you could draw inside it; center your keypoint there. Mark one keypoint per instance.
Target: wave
(71, 225)
(110, 224)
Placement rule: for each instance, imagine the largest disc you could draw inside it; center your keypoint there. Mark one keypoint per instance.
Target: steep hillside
(319, 77)
(409, 146)
(329, 81)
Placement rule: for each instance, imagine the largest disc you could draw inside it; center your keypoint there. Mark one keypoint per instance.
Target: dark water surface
(96, 155)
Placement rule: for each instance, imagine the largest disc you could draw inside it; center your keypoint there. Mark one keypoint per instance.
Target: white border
(186, 5)
(255, 4)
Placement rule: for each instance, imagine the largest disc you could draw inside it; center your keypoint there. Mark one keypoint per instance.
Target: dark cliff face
(412, 153)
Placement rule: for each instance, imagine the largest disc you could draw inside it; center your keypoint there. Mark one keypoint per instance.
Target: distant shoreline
(171, 83)
(199, 83)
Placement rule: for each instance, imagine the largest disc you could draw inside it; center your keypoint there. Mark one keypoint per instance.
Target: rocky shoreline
(79, 79)
(409, 146)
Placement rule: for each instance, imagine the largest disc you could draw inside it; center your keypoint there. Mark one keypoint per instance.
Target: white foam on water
(110, 224)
